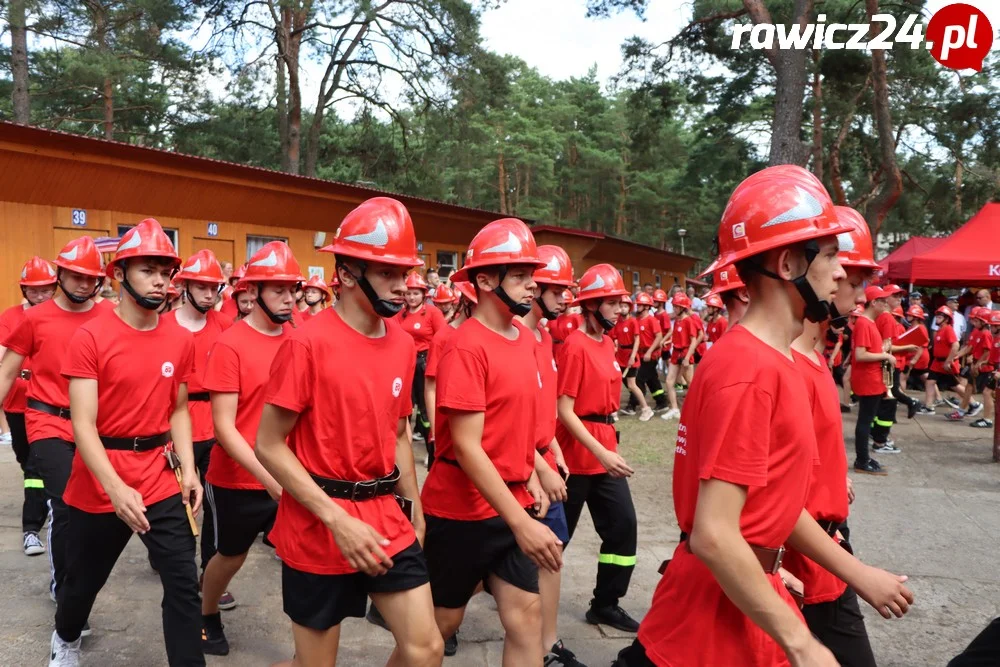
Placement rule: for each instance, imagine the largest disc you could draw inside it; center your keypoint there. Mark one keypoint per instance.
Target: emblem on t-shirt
(625, 329)
(167, 369)
(556, 368)
(397, 386)
(617, 367)
(416, 326)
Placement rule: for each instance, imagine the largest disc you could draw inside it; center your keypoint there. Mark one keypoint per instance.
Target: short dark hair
(430, 271)
(645, 285)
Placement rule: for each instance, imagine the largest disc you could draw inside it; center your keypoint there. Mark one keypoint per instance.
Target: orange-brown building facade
(56, 186)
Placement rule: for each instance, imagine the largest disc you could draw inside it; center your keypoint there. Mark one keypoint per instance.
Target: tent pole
(996, 439)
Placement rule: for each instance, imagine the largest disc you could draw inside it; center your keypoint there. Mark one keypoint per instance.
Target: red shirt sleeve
(654, 324)
(406, 393)
(22, 339)
(736, 442)
(570, 371)
(223, 371)
(81, 357)
(290, 386)
(462, 381)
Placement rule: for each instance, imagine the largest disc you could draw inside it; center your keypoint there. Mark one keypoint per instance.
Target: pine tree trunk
(817, 103)
(281, 97)
(892, 185)
(19, 62)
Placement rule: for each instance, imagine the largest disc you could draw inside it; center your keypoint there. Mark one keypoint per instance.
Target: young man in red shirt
(716, 322)
(975, 352)
(745, 449)
(685, 341)
(483, 481)
(201, 279)
(666, 326)
(317, 294)
(626, 337)
(650, 348)
(589, 392)
(42, 338)
(421, 323)
(889, 327)
(727, 284)
(919, 362)
(241, 493)
(339, 393)
(870, 356)
(122, 480)
(943, 373)
(38, 285)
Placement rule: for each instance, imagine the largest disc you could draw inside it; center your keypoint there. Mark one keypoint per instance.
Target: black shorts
(631, 373)
(322, 601)
(983, 380)
(944, 381)
(461, 554)
(696, 358)
(240, 516)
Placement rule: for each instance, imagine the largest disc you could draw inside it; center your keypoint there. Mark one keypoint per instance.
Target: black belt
(25, 374)
(136, 444)
(453, 462)
(54, 410)
(831, 527)
(422, 354)
(355, 491)
(598, 419)
(544, 450)
(200, 396)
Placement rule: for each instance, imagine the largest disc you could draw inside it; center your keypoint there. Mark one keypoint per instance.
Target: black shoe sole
(879, 473)
(451, 646)
(214, 648)
(594, 619)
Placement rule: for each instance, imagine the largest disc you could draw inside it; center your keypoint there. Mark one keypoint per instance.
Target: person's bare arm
(430, 400)
(180, 434)
(612, 462)
(10, 369)
(689, 355)
(360, 544)
(716, 541)
(552, 482)
(127, 501)
(884, 591)
(635, 352)
(863, 355)
(407, 484)
(657, 342)
(224, 406)
(535, 539)
(952, 354)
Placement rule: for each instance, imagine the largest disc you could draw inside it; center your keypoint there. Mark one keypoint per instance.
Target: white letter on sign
(994, 270)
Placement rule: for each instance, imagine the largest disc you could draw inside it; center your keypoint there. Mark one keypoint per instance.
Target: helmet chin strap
(546, 313)
(271, 315)
(190, 299)
(383, 307)
(606, 324)
(313, 303)
(519, 309)
(817, 310)
(74, 298)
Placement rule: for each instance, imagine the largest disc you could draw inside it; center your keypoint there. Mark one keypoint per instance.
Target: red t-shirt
(889, 327)
(240, 363)
(982, 345)
(995, 352)
(944, 338)
(866, 376)
(482, 371)
(546, 418)
(827, 499)
(422, 325)
(663, 317)
(699, 326)
(107, 304)
(745, 421)
(925, 354)
(589, 373)
(201, 411)
(138, 375)
(44, 335)
(350, 392)
(229, 309)
(17, 398)
(716, 328)
(564, 325)
(685, 331)
(441, 338)
(624, 334)
(649, 329)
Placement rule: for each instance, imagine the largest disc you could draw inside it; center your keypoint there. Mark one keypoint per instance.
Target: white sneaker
(32, 545)
(5, 439)
(672, 413)
(646, 414)
(64, 654)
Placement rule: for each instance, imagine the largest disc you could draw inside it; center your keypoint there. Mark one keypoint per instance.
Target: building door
(426, 259)
(63, 235)
(223, 249)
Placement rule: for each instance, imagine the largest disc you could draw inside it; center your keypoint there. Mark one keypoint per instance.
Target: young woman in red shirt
(134, 469)
(38, 285)
(943, 374)
(686, 338)
(651, 336)
(977, 351)
(421, 323)
(715, 322)
(333, 433)
(626, 337)
(42, 340)
(317, 294)
(915, 372)
(745, 450)
(234, 308)
(727, 284)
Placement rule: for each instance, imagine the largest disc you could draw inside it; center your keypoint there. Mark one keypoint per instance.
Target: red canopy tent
(970, 256)
(896, 265)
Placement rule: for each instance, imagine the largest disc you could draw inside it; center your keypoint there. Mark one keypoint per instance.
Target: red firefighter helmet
(627, 299)
(444, 295)
(37, 272)
(202, 267)
(147, 239)
(317, 283)
(995, 318)
(714, 301)
(898, 312)
(773, 212)
(681, 300)
(273, 263)
(601, 281)
(643, 299)
(416, 281)
(659, 296)
(725, 279)
(465, 288)
(378, 230)
(240, 272)
(501, 242)
(856, 242)
(558, 270)
(917, 312)
(81, 256)
(980, 313)
(946, 311)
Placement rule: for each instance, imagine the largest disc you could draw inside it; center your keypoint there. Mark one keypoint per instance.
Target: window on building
(171, 234)
(255, 243)
(659, 281)
(636, 283)
(447, 262)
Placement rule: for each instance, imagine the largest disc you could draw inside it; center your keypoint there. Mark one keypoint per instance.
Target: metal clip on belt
(54, 410)
(136, 444)
(355, 491)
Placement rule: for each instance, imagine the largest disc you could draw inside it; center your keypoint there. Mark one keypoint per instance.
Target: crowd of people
(290, 407)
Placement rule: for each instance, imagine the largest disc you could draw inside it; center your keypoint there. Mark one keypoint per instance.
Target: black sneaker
(871, 467)
(375, 618)
(560, 655)
(627, 410)
(982, 423)
(845, 409)
(213, 638)
(614, 616)
(451, 645)
(924, 410)
(912, 409)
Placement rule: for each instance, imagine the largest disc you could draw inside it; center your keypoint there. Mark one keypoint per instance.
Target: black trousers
(867, 410)
(52, 459)
(423, 426)
(202, 455)
(647, 379)
(99, 539)
(897, 390)
(633, 655)
(984, 651)
(33, 510)
(610, 503)
(840, 626)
